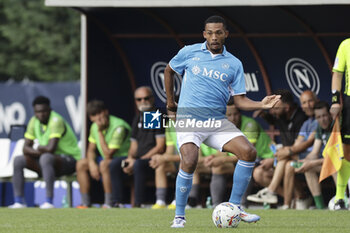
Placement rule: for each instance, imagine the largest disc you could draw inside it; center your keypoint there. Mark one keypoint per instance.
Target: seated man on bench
(56, 154)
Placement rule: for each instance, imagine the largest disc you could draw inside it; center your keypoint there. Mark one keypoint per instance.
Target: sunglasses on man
(143, 98)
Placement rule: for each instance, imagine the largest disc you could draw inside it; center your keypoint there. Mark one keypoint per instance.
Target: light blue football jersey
(208, 81)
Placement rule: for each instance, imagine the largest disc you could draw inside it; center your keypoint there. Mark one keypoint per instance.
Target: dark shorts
(67, 165)
(345, 126)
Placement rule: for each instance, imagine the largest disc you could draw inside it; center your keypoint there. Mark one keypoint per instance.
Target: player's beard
(215, 46)
(216, 50)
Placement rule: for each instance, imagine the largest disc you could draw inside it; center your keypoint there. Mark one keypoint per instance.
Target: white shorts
(213, 137)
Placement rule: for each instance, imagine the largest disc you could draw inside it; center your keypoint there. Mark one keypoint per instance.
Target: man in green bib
(54, 155)
(110, 135)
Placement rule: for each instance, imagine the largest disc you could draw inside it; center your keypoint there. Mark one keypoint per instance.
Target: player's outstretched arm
(244, 103)
(169, 88)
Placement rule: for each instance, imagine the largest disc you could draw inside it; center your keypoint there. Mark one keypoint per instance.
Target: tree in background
(38, 42)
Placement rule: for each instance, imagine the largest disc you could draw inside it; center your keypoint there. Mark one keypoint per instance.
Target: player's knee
(46, 159)
(289, 170)
(160, 169)
(19, 162)
(249, 154)
(189, 165)
(81, 165)
(257, 174)
(138, 166)
(103, 166)
(311, 175)
(116, 164)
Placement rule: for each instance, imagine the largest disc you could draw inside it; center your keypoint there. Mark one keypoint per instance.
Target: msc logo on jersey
(301, 76)
(215, 74)
(151, 120)
(157, 79)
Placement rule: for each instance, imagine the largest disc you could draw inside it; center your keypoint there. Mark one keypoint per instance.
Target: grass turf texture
(147, 220)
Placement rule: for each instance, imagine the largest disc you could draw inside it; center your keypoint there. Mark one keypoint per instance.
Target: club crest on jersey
(196, 70)
(225, 66)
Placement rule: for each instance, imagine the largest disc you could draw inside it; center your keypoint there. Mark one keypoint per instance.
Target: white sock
(160, 202)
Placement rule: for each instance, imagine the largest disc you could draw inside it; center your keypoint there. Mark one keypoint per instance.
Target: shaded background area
(289, 47)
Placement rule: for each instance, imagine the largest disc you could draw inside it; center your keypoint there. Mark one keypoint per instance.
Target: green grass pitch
(147, 220)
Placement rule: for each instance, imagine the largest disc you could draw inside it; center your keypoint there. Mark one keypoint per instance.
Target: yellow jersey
(342, 63)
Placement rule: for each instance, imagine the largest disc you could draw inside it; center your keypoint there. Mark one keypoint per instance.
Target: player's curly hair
(41, 100)
(215, 19)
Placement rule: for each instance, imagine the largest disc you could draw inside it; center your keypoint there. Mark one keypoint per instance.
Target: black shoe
(340, 205)
(192, 202)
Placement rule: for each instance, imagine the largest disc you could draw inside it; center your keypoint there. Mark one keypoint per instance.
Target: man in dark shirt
(288, 118)
(144, 144)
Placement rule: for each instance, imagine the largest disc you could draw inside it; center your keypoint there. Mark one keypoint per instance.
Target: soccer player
(211, 75)
(110, 136)
(163, 164)
(341, 65)
(256, 136)
(56, 154)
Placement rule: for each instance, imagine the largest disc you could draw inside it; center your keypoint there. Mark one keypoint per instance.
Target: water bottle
(296, 164)
(293, 164)
(266, 206)
(65, 203)
(274, 161)
(208, 203)
(274, 150)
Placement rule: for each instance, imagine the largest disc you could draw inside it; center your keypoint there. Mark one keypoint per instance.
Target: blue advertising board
(16, 103)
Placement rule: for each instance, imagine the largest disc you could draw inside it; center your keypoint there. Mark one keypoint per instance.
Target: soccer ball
(226, 215)
(331, 203)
